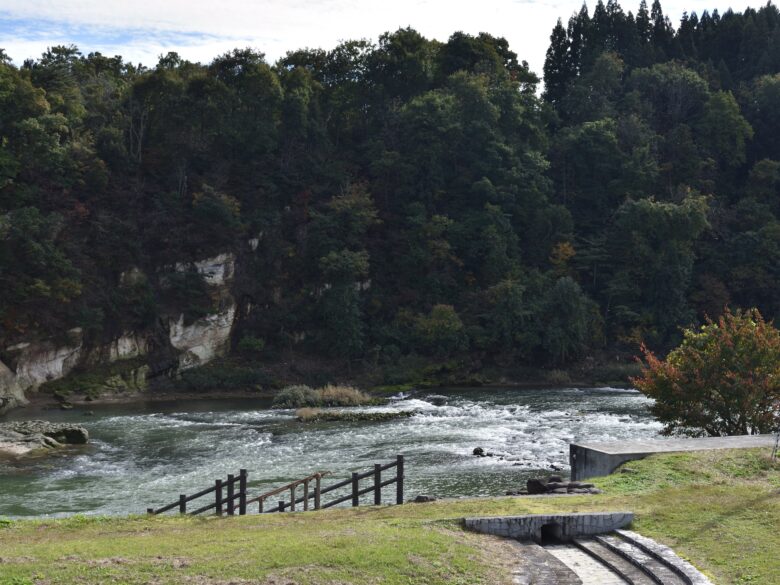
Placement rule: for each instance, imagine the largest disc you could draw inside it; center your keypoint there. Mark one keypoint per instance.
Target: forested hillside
(406, 196)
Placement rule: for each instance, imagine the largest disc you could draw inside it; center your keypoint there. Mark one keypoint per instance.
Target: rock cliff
(26, 365)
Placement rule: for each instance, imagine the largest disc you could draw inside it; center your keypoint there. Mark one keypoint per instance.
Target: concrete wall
(586, 463)
(565, 526)
(599, 459)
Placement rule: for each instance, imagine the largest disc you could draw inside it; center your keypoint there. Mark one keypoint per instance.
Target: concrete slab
(598, 459)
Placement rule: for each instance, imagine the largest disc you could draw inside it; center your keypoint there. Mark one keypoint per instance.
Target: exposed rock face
(204, 339)
(31, 364)
(216, 271)
(35, 363)
(28, 365)
(134, 380)
(208, 337)
(25, 437)
(11, 392)
(128, 345)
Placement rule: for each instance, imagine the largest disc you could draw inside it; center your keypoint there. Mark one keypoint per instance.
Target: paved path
(589, 570)
(536, 566)
(682, 444)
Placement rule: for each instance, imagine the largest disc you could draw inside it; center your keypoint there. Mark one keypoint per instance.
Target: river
(145, 454)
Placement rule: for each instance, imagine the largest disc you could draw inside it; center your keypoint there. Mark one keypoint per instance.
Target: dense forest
(404, 197)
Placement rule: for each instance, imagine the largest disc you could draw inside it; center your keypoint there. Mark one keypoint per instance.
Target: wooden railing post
(230, 494)
(281, 505)
(377, 484)
(242, 492)
(317, 489)
(305, 495)
(260, 505)
(399, 484)
(355, 496)
(218, 497)
(292, 499)
(182, 504)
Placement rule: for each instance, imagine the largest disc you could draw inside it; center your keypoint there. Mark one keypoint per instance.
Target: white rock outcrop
(205, 339)
(33, 364)
(128, 345)
(216, 271)
(11, 391)
(209, 336)
(40, 362)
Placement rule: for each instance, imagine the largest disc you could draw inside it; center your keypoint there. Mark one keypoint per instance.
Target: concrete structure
(554, 527)
(597, 459)
(589, 570)
(656, 550)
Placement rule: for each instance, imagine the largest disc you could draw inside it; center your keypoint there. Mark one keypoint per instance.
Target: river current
(144, 455)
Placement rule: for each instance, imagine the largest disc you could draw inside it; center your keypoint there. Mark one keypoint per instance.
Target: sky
(199, 30)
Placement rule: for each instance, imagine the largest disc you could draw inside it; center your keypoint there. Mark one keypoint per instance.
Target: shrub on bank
(297, 396)
(724, 379)
(558, 377)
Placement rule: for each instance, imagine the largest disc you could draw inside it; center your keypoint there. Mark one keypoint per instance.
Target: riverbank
(238, 377)
(719, 510)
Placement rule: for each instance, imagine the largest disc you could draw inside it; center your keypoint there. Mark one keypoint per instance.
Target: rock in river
(24, 437)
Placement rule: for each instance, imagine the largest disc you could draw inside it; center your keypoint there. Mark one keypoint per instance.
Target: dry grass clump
(300, 396)
(339, 395)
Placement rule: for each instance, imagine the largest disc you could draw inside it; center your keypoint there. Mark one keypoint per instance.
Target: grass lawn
(718, 509)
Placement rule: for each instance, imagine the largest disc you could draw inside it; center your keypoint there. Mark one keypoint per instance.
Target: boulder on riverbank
(25, 437)
(554, 485)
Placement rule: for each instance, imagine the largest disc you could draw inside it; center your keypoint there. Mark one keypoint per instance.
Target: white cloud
(200, 30)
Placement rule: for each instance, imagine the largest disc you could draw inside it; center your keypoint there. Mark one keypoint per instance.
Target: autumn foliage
(724, 379)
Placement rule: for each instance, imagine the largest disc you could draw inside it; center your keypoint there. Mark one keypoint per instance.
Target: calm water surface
(146, 454)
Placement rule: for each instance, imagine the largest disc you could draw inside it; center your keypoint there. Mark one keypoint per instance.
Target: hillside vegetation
(719, 509)
(404, 199)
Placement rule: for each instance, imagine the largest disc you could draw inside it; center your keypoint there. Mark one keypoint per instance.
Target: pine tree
(662, 32)
(577, 32)
(558, 71)
(686, 36)
(643, 26)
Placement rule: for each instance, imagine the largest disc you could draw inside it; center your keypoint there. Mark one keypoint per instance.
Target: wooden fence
(226, 495)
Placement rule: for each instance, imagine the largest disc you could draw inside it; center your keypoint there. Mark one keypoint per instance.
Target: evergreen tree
(558, 72)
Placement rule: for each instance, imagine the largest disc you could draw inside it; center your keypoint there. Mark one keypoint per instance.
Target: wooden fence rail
(225, 503)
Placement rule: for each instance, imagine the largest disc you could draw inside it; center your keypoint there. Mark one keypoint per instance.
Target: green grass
(720, 510)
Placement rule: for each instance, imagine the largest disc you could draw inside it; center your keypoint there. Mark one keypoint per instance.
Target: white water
(143, 456)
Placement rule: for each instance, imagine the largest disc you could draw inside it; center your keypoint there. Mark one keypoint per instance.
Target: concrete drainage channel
(587, 549)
